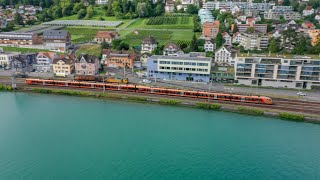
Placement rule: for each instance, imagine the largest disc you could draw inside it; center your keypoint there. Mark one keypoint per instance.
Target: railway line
(278, 104)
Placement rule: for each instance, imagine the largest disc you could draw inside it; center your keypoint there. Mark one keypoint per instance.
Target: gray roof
(181, 58)
(16, 35)
(88, 58)
(55, 34)
(149, 40)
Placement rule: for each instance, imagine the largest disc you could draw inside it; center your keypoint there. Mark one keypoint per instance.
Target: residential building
(254, 40)
(317, 17)
(271, 15)
(301, 72)
(227, 38)
(282, 9)
(63, 66)
(7, 57)
(148, 45)
(169, 7)
(183, 68)
(57, 40)
(103, 2)
(308, 11)
(172, 49)
(291, 15)
(210, 29)
(44, 61)
(144, 59)
(87, 65)
(209, 45)
(308, 25)
(236, 38)
(211, 5)
(106, 36)
(119, 58)
(262, 28)
(18, 38)
(205, 16)
(224, 55)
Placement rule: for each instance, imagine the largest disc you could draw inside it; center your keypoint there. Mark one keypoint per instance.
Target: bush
(169, 101)
(251, 111)
(208, 106)
(5, 88)
(293, 117)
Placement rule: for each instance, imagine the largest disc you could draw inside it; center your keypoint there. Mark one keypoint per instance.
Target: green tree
(57, 13)
(123, 46)
(219, 40)
(194, 45)
(116, 43)
(77, 7)
(192, 9)
(89, 12)
(301, 46)
(81, 14)
(159, 9)
(18, 19)
(142, 9)
(235, 28)
(274, 47)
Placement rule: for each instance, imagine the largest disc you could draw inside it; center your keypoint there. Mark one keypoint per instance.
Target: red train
(153, 90)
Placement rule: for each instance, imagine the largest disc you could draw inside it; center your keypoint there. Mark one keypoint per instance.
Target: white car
(146, 81)
(301, 94)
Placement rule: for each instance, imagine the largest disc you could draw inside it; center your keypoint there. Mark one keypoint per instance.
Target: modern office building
(301, 72)
(189, 67)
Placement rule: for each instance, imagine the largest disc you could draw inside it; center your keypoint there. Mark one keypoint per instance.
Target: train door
(304, 85)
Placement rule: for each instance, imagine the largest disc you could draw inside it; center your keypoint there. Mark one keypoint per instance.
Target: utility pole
(210, 83)
(13, 78)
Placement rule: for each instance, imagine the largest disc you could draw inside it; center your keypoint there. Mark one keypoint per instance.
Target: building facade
(87, 65)
(6, 58)
(262, 28)
(148, 45)
(223, 56)
(251, 41)
(299, 72)
(44, 61)
(172, 49)
(183, 68)
(119, 58)
(57, 40)
(106, 36)
(19, 39)
(209, 46)
(63, 66)
(210, 29)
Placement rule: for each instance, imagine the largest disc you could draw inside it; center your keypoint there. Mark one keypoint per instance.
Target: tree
(57, 13)
(273, 47)
(192, 9)
(81, 14)
(300, 47)
(77, 7)
(235, 28)
(219, 40)
(123, 46)
(89, 12)
(18, 19)
(142, 9)
(194, 45)
(159, 9)
(105, 45)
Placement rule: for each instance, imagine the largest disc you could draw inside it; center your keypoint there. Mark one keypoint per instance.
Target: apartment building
(7, 57)
(57, 40)
(18, 38)
(44, 61)
(291, 15)
(262, 28)
(210, 29)
(271, 15)
(119, 58)
(63, 66)
(301, 72)
(223, 55)
(184, 68)
(148, 45)
(254, 40)
(282, 9)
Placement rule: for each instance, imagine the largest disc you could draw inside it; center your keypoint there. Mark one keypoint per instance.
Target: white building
(102, 1)
(44, 61)
(251, 41)
(209, 46)
(6, 58)
(236, 38)
(223, 56)
(308, 11)
(227, 38)
(299, 72)
(148, 45)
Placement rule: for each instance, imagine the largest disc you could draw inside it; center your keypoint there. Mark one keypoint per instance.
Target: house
(172, 49)
(182, 68)
(223, 55)
(308, 11)
(227, 38)
(148, 45)
(169, 7)
(209, 45)
(144, 59)
(57, 40)
(250, 21)
(106, 36)
(236, 38)
(63, 66)
(210, 29)
(308, 25)
(7, 57)
(87, 65)
(119, 58)
(254, 40)
(317, 17)
(44, 61)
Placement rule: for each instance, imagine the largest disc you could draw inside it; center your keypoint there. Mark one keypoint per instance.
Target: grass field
(83, 34)
(162, 36)
(141, 23)
(23, 50)
(92, 49)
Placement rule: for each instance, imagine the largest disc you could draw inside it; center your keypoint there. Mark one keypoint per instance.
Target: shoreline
(282, 115)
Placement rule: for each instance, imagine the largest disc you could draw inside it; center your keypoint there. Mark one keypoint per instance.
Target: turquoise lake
(62, 137)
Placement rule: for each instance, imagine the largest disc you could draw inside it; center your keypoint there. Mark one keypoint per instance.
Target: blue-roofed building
(187, 67)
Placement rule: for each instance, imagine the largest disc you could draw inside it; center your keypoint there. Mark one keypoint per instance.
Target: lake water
(61, 137)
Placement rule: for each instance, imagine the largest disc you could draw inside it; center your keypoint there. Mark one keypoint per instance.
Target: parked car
(146, 81)
(301, 94)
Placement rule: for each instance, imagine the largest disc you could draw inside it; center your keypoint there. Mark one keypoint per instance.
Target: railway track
(279, 104)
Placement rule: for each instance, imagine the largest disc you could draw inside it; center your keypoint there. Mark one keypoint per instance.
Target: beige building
(254, 40)
(63, 66)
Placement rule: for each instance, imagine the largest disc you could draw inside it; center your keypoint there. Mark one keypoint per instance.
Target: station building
(187, 67)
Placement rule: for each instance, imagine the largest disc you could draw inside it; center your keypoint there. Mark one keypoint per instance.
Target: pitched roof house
(106, 36)
(172, 49)
(148, 45)
(87, 65)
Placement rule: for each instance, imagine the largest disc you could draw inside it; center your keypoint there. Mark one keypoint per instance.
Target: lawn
(141, 23)
(162, 36)
(23, 50)
(92, 49)
(83, 34)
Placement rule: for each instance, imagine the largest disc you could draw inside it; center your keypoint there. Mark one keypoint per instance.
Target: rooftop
(285, 56)
(181, 58)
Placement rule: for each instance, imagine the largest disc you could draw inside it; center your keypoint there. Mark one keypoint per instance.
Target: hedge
(251, 111)
(208, 106)
(5, 88)
(290, 116)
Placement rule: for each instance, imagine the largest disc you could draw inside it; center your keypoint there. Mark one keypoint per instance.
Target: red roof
(106, 34)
